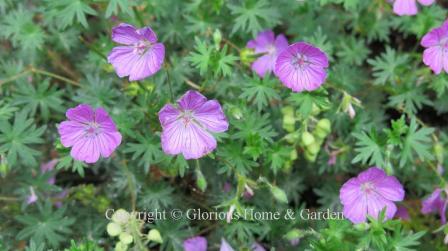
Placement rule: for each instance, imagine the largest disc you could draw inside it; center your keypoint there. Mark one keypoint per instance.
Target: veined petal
(390, 188)
(356, 212)
(168, 114)
(350, 192)
(433, 57)
(125, 34)
(191, 100)
(405, 7)
(263, 40)
(71, 132)
(426, 2)
(263, 65)
(376, 203)
(190, 140)
(148, 34)
(82, 113)
(86, 149)
(211, 116)
(123, 59)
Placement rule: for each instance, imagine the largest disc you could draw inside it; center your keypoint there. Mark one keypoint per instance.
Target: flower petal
(263, 65)
(197, 243)
(123, 59)
(356, 212)
(433, 57)
(191, 100)
(86, 149)
(350, 192)
(405, 7)
(125, 34)
(148, 64)
(168, 114)
(148, 34)
(426, 2)
(190, 140)
(211, 116)
(82, 113)
(390, 188)
(376, 203)
(263, 40)
(70, 132)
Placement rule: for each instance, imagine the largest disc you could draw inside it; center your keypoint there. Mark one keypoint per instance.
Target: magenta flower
(225, 246)
(369, 193)
(32, 198)
(409, 7)
(402, 213)
(90, 133)
(436, 53)
(197, 243)
(187, 127)
(140, 56)
(266, 43)
(48, 167)
(301, 67)
(435, 203)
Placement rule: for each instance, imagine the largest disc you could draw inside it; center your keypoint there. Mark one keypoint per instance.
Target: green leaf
(387, 67)
(44, 98)
(416, 141)
(253, 16)
(114, 5)
(369, 148)
(259, 91)
(146, 150)
(410, 100)
(305, 101)
(18, 25)
(49, 226)
(66, 11)
(16, 139)
(353, 51)
(201, 59)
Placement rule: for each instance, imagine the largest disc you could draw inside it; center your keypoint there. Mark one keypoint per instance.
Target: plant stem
(93, 48)
(14, 77)
(139, 17)
(4, 198)
(131, 185)
(169, 83)
(49, 74)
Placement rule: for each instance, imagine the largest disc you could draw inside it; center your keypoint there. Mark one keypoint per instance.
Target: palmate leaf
(48, 226)
(369, 148)
(6, 110)
(410, 100)
(43, 98)
(253, 16)
(146, 150)
(18, 25)
(254, 124)
(259, 91)
(202, 57)
(114, 6)
(416, 141)
(387, 67)
(16, 138)
(306, 100)
(224, 63)
(66, 11)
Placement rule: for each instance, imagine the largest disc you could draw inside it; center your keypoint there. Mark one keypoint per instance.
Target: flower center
(367, 187)
(92, 129)
(271, 49)
(141, 47)
(187, 117)
(299, 61)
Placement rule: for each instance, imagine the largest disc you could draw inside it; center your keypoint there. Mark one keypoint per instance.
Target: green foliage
(253, 16)
(67, 11)
(17, 138)
(48, 226)
(259, 91)
(388, 68)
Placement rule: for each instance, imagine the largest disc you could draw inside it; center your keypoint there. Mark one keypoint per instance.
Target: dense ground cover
(228, 125)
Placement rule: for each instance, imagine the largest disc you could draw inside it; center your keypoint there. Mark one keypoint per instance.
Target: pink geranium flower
(435, 203)
(369, 193)
(48, 167)
(409, 7)
(140, 56)
(187, 127)
(197, 243)
(301, 67)
(436, 53)
(90, 133)
(267, 44)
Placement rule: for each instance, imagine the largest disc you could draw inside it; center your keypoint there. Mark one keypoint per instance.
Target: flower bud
(279, 194)
(307, 139)
(120, 246)
(324, 125)
(126, 238)
(217, 37)
(201, 182)
(113, 229)
(313, 148)
(438, 150)
(247, 56)
(154, 235)
(236, 112)
(121, 216)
